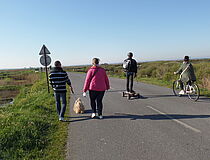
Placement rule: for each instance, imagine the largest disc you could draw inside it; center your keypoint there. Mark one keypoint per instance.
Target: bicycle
(192, 90)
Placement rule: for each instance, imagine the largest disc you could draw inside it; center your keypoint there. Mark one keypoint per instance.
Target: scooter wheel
(129, 96)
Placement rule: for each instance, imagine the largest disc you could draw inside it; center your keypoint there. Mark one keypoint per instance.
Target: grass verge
(29, 129)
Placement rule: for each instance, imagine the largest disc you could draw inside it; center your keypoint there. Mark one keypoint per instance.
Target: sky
(75, 31)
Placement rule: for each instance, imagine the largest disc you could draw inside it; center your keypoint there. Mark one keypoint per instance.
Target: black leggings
(96, 96)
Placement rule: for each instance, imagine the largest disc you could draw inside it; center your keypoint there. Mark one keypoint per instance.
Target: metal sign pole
(45, 60)
(45, 57)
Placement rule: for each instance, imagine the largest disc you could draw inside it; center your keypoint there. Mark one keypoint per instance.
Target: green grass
(155, 82)
(29, 129)
(10, 87)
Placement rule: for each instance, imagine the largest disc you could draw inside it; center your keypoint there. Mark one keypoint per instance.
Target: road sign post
(45, 60)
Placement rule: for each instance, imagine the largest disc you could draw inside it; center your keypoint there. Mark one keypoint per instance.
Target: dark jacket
(188, 74)
(132, 65)
(58, 79)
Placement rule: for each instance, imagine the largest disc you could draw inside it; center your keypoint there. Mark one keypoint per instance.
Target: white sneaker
(181, 92)
(100, 117)
(61, 119)
(93, 115)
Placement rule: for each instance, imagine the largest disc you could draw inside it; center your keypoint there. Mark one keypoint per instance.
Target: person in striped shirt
(58, 79)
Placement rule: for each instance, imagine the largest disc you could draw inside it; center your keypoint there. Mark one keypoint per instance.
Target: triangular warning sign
(44, 50)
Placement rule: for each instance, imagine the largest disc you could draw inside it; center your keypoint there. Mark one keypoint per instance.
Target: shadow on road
(80, 117)
(155, 116)
(151, 96)
(201, 99)
(137, 117)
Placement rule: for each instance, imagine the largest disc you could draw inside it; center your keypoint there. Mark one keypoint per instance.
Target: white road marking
(175, 120)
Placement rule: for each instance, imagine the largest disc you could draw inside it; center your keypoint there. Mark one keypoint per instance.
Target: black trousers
(96, 97)
(129, 82)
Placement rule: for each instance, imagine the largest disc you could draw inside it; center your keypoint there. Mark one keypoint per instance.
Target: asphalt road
(158, 126)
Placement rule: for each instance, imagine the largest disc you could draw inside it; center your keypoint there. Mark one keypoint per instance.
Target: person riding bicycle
(130, 67)
(187, 74)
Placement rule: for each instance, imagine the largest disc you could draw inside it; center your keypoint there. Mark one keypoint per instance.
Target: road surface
(158, 126)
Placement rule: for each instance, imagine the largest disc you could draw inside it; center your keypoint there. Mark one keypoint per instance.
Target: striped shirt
(58, 79)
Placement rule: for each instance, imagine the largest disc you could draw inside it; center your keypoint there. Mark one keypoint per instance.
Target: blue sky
(75, 31)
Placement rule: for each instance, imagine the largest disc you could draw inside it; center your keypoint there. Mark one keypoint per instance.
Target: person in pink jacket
(97, 83)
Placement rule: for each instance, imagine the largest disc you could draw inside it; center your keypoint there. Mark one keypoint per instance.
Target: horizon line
(26, 68)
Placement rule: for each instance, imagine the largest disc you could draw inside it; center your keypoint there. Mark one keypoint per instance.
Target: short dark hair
(57, 63)
(95, 60)
(186, 58)
(130, 54)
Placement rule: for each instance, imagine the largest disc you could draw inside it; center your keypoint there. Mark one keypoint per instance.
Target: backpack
(126, 64)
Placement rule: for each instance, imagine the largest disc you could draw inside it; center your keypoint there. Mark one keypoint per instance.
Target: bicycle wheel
(194, 92)
(176, 88)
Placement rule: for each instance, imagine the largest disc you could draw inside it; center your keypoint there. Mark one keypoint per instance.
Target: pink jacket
(99, 82)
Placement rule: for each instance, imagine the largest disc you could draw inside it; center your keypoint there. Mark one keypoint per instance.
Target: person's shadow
(138, 117)
(151, 96)
(155, 116)
(81, 117)
(202, 99)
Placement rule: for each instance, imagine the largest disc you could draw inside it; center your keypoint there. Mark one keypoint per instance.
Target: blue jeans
(58, 98)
